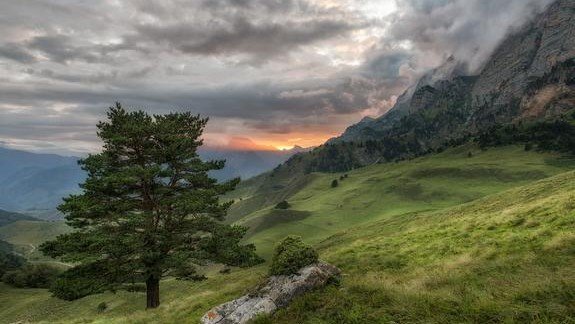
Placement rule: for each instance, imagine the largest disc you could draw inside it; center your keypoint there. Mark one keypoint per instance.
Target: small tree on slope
(148, 207)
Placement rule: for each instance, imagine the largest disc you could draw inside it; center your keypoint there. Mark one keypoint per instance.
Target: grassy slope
(505, 258)
(413, 259)
(7, 217)
(26, 236)
(388, 190)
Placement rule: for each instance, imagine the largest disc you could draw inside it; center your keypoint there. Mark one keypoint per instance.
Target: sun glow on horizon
(284, 148)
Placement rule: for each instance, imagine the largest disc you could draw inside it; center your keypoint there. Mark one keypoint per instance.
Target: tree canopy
(148, 207)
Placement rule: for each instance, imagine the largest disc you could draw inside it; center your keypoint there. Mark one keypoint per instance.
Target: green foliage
(80, 281)
(148, 207)
(291, 255)
(557, 135)
(102, 307)
(334, 183)
(283, 205)
(8, 260)
(31, 276)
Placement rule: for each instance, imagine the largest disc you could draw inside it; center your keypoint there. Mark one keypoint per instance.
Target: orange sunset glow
(267, 142)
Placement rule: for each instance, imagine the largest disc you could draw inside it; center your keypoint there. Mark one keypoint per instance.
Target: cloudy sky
(269, 73)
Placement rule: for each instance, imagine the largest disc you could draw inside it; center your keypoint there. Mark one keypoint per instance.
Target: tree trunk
(152, 292)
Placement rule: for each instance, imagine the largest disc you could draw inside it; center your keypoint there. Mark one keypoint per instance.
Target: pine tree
(148, 208)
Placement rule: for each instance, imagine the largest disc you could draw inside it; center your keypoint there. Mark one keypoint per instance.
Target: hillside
(27, 235)
(429, 233)
(505, 256)
(386, 191)
(7, 217)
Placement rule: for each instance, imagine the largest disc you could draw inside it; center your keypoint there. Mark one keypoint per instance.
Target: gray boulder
(276, 292)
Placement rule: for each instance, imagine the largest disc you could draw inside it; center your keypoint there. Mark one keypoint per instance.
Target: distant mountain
(36, 183)
(247, 164)
(30, 181)
(7, 217)
(529, 78)
(415, 97)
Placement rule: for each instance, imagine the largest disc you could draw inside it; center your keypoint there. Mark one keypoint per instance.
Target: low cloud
(468, 29)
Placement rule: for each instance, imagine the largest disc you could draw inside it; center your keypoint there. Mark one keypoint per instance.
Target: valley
(446, 234)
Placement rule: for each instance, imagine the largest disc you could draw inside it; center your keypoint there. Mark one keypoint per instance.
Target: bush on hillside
(283, 205)
(334, 183)
(9, 262)
(291, 255)
(102, 307)
(31, 276)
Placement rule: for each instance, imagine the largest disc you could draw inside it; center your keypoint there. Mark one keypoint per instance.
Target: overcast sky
(272, 72)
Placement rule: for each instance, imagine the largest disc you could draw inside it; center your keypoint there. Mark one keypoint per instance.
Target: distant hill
(247, 164)
(36, 183)
(7, 217)
(30, 181)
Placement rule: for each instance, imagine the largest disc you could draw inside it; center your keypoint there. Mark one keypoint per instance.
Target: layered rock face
(276, 293)
(507, 84)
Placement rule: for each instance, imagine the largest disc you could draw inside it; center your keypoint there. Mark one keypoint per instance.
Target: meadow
(484, 237)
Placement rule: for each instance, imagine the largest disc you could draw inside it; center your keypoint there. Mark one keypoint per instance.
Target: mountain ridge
(529, 77)
(35, 183)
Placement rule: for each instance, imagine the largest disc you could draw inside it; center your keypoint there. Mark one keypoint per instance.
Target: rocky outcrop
(276, 292)
(503, 91)
(526, 56)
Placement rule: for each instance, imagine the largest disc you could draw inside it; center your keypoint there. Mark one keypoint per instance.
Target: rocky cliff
(509, 87)
(528, 76)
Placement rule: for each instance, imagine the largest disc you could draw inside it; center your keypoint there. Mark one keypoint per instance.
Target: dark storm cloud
(260, 41)
(15, 52)
(60, 49)
(260, 29)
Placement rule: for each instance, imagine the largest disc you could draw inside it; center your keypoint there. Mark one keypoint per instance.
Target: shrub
(291, 255)
(334, 183)
(283, 205)
(102, 307)
(9, 262)
(31, 276)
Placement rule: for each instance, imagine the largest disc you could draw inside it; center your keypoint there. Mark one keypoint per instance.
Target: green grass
(507, 258)
(389, 190)
(26, 236)
(183, 302)
(444, 238)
